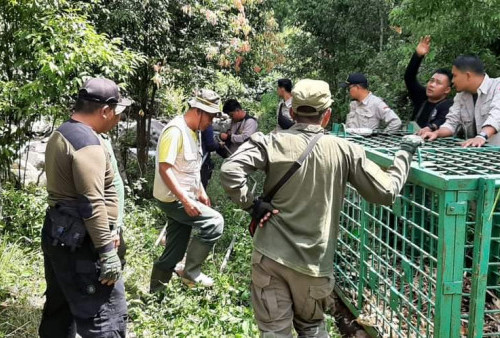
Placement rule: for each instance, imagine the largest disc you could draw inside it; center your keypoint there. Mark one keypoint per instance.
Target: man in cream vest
(178, 188)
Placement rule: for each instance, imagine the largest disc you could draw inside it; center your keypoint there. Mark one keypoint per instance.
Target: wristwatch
(483, 135)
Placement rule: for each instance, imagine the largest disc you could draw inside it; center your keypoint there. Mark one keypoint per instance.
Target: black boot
(159, 278)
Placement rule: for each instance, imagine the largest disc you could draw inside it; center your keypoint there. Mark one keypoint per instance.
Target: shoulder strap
(295, 166)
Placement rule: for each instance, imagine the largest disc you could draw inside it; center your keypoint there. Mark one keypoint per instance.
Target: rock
(156, 129)
(39, 146)
(37, 160)
(42, 127)
(29, 174)
(32, 170)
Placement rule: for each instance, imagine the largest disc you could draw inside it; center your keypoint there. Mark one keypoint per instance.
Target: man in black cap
(85, 293)
(430, 103)
(368, 110)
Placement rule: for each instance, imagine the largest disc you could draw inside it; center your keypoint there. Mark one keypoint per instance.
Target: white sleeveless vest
(187, 164)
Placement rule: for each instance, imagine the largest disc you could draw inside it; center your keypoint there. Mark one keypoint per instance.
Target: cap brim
(344, 85)
(197, 104)
(122, 105)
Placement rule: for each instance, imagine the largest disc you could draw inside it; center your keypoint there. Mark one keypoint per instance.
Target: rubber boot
(159, 278)
(196, 255)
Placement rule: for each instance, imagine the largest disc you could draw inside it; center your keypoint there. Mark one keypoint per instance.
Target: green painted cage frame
(427, 266)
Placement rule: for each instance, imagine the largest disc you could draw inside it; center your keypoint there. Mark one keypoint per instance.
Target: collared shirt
(371, 113)
(473, 118)
(303, 235)
(425, 113)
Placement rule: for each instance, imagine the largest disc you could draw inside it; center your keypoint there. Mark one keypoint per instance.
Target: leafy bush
(23, 213)
(21, 289)
(267, 117)
(222, 311)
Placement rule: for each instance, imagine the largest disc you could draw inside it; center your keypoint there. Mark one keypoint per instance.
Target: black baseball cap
(354, 78)
(103, 91)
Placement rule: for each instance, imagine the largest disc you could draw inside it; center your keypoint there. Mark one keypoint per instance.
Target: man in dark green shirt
(85, 293)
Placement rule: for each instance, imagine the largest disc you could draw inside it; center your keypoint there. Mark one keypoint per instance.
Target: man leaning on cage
(476, 107)
(294, 245)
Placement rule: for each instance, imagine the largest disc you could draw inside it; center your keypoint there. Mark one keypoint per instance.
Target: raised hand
(424, 46)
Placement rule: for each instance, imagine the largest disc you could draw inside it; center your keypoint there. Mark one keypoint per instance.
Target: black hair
(312, 119)
(363, 85)
(88, 107)
(469, 63)
(230, 106)
(285, 84)
(446, 72)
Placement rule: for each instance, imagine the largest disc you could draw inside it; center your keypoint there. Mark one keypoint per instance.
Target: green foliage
(222, 311)
(21, 289)
(23, 212)
(47, 48)
(463, 26)
(267, 117)
(228, 86)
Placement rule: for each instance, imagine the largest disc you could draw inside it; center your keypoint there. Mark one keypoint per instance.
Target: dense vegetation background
(159, 51)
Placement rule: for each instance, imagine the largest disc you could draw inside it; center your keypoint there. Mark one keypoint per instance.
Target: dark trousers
(76, 302)
(206, 172)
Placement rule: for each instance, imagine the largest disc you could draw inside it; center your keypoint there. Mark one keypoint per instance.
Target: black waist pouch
(66, 227)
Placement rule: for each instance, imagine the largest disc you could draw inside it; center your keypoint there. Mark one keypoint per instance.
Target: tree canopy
(160, 50)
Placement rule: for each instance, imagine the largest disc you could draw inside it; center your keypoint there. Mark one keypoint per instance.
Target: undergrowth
(178, 311)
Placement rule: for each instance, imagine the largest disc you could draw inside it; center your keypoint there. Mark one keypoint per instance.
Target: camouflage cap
(311, 97)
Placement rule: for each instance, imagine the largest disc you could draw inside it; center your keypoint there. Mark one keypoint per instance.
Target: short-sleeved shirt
(372, 113)
(170, 145)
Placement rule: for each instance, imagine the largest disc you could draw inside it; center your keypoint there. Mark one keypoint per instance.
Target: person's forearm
(412, 69)
(444, 132)
(250, 127)
(489, 130)
(168, 177)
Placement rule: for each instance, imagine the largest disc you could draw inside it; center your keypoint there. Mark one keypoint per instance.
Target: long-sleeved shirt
(208, 143)
(241, 132)
(473, 117)
(117, 181)
(371, 113)
(303, 235)
(79, 169)
(425, 113)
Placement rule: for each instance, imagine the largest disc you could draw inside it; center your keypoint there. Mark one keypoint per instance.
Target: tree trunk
(142, 142)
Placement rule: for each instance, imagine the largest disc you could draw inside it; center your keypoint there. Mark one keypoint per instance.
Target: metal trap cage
(428, 266)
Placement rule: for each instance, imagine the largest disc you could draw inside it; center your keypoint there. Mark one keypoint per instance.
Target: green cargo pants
(282, 297)
(208, 227)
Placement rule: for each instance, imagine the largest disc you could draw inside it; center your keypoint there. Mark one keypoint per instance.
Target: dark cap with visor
(103, 91)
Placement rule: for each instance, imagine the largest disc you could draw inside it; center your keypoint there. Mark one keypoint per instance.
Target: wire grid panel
(457, 161)
(394, 141)
(348, 260)
(481, 286)
(393, 273)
